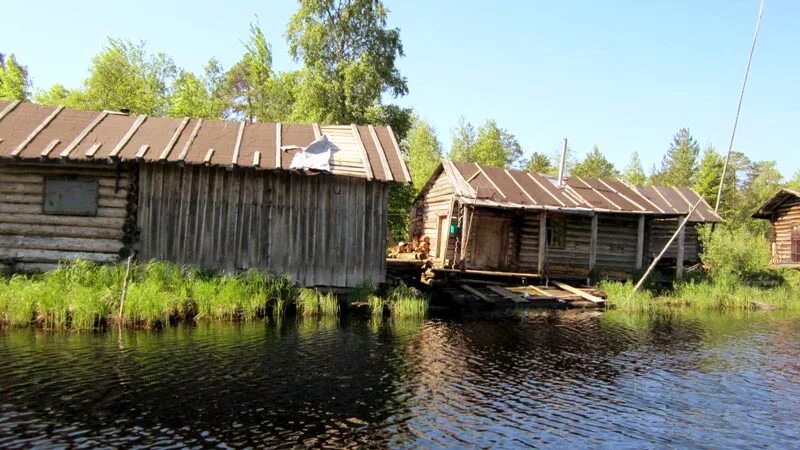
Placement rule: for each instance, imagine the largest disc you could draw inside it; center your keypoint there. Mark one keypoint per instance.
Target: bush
(734, 251)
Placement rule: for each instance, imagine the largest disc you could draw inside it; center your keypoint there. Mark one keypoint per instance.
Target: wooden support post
(640, 244)
(542, 242)
(664, 250)
(593, 244)
(681, 251)
(469, 212)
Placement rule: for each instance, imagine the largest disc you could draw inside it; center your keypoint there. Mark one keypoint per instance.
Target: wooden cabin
(783, 213)
(207, 193)
(487, 219)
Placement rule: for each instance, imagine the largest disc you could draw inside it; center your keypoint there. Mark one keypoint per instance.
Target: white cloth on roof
(317, 156)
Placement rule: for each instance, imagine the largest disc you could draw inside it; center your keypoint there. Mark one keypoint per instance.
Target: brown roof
(31, 131)
(507, 188)
(769, 207)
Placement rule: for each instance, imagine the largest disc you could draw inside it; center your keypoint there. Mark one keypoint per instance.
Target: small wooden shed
(487, 219)
(208, 193)
(783, 213)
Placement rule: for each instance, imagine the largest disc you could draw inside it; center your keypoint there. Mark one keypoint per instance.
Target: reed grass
(377, 306)
(81, 295)
(311, 303)
(407, 302)
(723, 292)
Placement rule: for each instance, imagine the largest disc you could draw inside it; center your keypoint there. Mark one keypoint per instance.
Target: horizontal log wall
(659, 233)
(574, 258)
(616, 243)
(318, 230)
(434, 203)
(785, 219)
(526, 246)
(31, 240)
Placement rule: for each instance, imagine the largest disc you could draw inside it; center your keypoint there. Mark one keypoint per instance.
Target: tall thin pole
(738, 109)
(664, 250)
(563, 164)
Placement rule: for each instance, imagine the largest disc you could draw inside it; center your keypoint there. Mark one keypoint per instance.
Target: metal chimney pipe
(563, 164)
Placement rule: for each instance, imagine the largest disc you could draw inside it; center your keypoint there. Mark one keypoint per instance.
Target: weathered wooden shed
(783, 212)
(487, 219)
(209, 193)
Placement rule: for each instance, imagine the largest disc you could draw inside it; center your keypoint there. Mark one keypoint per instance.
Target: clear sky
(624, 75)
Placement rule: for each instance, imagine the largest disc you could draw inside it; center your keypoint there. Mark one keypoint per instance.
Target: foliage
(709, 175)
(594, 165)
(192, 98)
(794, 183)
(14, 82)
(349, 59)
(311, 302)
(122, 76)
(424, 152)
(540, 163)
(490, 145)
(734, 251)
(401, 197)
(634, 172)
(679, 164)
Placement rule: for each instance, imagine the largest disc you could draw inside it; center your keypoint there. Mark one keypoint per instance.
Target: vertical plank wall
(660, 232)
(318, 230)
(31, 240)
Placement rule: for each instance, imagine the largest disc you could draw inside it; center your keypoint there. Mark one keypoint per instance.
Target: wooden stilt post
(664, 250)
(542, 242)
(124, 287)
(681, 251)
(593, 244)
(640, 244)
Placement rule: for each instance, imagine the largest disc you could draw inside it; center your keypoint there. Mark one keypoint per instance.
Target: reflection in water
(527, 379)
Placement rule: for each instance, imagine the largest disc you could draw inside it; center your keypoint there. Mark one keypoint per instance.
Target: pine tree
(634, 172)
(709, 174)
(679, 164)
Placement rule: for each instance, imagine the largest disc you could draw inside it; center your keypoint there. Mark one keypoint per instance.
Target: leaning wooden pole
(738, 110)
(664, 250)
(124, 287)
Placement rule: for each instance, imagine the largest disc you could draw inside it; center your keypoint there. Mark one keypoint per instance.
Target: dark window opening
(556, 232)
(70, 196)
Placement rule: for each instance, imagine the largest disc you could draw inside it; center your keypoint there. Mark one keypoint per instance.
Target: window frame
(91, 212)
(556, 228)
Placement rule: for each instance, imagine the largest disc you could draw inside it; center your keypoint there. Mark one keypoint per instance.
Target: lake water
(520, 379)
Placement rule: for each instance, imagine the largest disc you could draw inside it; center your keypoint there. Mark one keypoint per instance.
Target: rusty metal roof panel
(31, 131)
(495, 187)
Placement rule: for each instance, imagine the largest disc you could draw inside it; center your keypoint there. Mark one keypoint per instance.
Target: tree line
(348, 69)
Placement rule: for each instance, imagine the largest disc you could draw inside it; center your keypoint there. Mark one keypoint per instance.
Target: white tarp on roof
(317, 156)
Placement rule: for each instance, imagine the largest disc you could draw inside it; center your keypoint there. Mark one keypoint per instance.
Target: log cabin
(783, 213)
(220, 195)
(497, 221)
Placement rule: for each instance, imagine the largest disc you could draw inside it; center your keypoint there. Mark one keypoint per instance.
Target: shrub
(734, 251)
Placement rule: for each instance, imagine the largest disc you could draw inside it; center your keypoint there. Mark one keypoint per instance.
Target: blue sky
(624, 75)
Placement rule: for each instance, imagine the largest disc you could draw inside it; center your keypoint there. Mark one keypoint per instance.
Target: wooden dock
(558, 295)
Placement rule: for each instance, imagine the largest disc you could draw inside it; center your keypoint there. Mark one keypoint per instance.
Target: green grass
(81, 296)
(407, 302)
(723, 292)
(312, 303)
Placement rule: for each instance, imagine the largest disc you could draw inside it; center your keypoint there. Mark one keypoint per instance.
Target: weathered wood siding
(31, 240)
(525, 242)
(318, 230)
(616, 243)
(785, 219)
(435, 202)
(660, 232)
(574, 258)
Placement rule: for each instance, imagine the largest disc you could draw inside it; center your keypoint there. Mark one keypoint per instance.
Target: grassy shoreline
(84, 296)
(726, 292)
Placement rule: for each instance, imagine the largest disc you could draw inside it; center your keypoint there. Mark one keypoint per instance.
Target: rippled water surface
(525, 379)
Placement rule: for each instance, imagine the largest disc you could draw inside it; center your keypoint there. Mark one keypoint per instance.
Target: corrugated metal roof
(769, 207)
(495, 187)
(31, 131)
